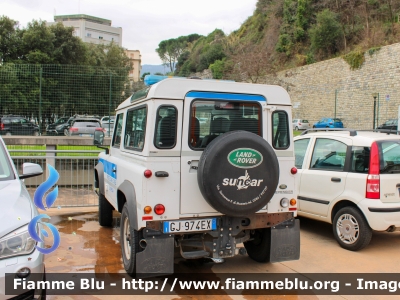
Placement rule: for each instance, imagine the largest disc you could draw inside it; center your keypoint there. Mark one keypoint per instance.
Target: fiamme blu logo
(50, 199)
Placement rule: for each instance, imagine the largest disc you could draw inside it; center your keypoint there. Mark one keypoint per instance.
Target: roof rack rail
(352, 132)
(387, 131)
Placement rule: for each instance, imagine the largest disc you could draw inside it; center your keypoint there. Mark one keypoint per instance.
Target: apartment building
(136, 60)
(91, 29)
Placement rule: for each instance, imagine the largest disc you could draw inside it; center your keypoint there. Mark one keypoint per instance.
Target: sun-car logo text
(245, 158)
(50, 199)
(243, 182)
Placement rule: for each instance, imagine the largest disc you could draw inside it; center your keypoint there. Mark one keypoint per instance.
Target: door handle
(162, 174)
(336, 179)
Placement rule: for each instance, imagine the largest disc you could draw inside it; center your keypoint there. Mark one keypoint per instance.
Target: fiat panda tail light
(372, 190)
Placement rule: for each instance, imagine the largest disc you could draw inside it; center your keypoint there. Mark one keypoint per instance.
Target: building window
(100, 37)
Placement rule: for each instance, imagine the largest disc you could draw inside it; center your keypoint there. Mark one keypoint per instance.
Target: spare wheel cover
(238, 173)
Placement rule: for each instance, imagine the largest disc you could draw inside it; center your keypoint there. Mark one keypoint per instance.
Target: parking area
(86, 247)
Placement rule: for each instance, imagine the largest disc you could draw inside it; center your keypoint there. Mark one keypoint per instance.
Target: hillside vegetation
(289, 33)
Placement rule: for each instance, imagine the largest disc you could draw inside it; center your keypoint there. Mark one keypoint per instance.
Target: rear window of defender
(210, 119)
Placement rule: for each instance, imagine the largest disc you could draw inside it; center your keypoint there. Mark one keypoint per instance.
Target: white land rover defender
(200, 165)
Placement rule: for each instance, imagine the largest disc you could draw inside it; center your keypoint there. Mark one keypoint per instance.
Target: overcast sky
(145, 23)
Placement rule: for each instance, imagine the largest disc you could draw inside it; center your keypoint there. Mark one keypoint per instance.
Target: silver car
(84, 127)
(300, 124)
(18, 254)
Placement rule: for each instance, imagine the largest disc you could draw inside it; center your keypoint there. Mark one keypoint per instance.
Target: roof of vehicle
(87, 119)
(177, 88)
(359, 137)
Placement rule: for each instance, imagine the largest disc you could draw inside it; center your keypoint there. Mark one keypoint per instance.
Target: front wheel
(129, 240)
(259, 245)
(36, 133)
(105, 211)
(8, 133)
(351, 229)
(297, 128)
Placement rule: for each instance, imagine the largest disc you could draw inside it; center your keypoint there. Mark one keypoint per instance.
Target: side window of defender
(118, 131)
(165, 135)
(135, 128)
(280, 130)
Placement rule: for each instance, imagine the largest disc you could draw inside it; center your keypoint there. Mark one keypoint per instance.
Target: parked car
(16, 125)
(59, 126)
(18, 254)
(108, 129)
(390, 124)
(107, 119)
(351, 180)
(226, 198)
(84, 127)
(300, 124)
(329, 123)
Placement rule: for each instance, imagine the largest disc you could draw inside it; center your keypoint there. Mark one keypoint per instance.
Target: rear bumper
(381, 216)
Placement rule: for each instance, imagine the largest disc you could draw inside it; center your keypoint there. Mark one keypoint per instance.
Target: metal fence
(44, 93)
(76, 181)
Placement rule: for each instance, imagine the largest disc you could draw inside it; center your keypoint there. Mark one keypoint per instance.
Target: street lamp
(375, 95)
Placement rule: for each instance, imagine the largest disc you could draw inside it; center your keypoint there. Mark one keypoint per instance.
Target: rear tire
(313, 127)
(36, 133)
(129, 240)
(66, 132)
(105, 211)
(351, 229)
(259, 248)
(8, 133)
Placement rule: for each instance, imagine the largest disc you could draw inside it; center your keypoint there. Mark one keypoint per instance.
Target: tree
(252, 62)
(9, 40)
(38, 43)
(326, 34)
(68, 49)
(170, 50)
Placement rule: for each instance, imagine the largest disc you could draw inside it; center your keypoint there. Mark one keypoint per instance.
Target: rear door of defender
(208, 115)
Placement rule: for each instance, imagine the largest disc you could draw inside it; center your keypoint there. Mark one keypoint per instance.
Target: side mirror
(98, 138)
(30, 170)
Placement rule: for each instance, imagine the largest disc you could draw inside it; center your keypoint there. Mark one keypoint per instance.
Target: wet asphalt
(87, 247)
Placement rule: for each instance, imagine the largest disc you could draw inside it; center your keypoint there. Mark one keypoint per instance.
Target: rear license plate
(190, 225)
(85, 134)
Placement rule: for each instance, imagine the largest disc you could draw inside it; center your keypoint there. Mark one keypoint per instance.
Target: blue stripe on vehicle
(108, 168)
(225, 96)
(214, 224)
(166, 227)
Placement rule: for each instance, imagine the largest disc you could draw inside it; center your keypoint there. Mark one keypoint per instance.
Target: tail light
(73, 129)
(372, 190)
(159, 209)
(299, 123)
(147, 173)
(1, 126)
(100, 129)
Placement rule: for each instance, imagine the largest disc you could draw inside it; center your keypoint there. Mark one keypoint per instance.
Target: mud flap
(157, 258)
(285, 241)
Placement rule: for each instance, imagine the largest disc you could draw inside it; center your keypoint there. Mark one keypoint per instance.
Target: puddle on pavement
(87, 247)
